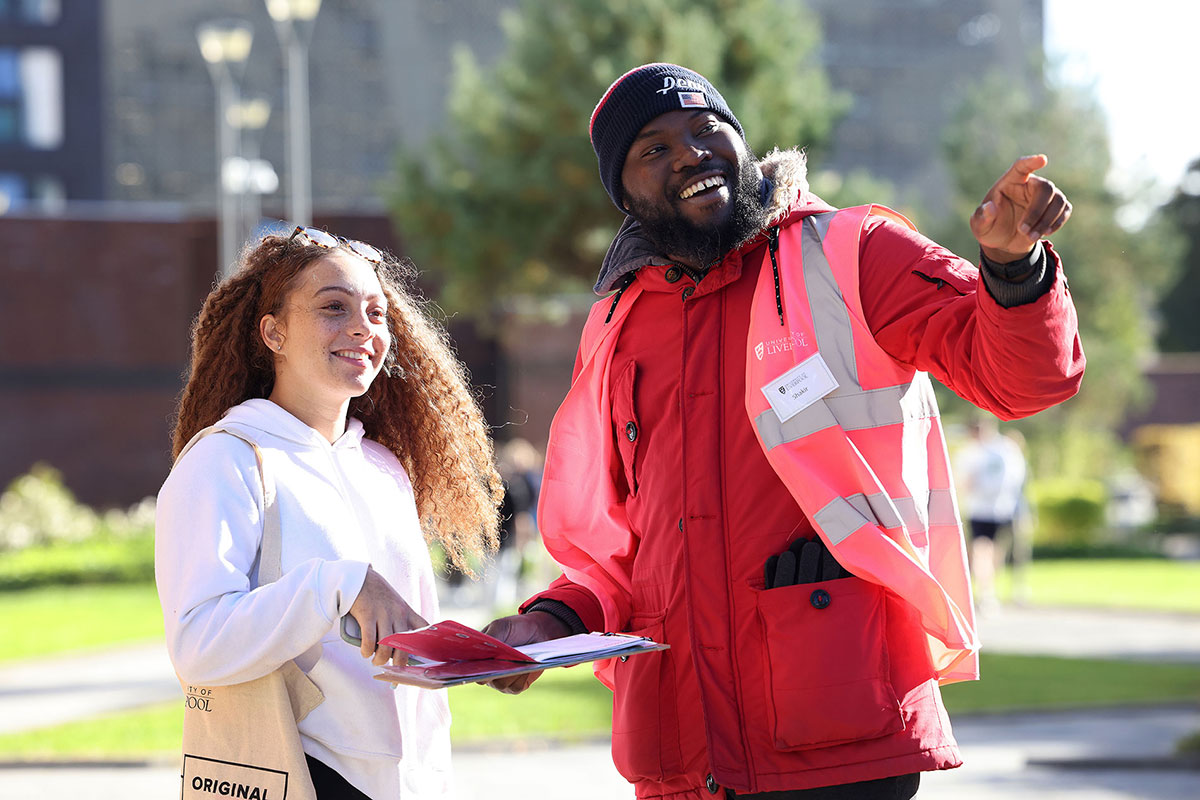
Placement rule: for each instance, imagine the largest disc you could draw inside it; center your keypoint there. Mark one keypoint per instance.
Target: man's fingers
(1052, 218)
(1061, 220)
(1025, 166)
(1046, 205)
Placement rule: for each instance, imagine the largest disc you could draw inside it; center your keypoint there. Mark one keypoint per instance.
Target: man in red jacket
(750, 467)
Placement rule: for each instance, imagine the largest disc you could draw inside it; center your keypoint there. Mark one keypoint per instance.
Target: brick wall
(94, 320)
(94, 315)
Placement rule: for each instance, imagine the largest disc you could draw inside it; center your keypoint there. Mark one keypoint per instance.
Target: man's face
(694, 186)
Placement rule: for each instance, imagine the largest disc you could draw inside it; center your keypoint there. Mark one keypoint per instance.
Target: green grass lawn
(1148, 584)
(60, 619)
(55, 619)
(566, 705)
(569, 704)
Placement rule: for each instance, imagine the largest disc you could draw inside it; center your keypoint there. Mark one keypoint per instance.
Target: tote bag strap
(245, 735)
(270, 555)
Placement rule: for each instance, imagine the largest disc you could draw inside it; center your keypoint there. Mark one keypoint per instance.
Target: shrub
(38, 509)
(48, 537)
(1070, 512)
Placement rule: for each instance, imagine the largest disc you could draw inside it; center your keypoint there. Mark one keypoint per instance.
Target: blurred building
(379, 75)
(906, 65)
(108, 186)
(51, 132)
(1165, 434)
(380, 72)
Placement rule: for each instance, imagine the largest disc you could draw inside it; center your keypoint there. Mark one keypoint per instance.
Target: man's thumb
(984, 216)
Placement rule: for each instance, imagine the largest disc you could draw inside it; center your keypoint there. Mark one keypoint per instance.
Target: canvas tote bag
(241, 740)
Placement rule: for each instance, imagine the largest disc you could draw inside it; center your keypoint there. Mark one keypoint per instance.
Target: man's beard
(675, 235)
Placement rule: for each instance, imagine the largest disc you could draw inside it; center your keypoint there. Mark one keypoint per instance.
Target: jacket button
(820, 599)
(673, 274)
(710, 783)
(688, 292)
(631, 431)
(623, 660)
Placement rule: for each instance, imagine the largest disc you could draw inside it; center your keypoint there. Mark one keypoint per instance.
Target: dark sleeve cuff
(998, 278)
(560, 611)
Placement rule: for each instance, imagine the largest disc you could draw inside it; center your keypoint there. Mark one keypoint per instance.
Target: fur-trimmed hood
(784, 188)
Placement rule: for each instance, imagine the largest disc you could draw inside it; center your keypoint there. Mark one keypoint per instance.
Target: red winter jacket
(703, 510)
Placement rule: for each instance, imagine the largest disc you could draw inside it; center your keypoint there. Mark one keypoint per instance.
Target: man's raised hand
(1019, 209)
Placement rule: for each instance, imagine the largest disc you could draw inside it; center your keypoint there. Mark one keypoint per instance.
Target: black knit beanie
(637, 97)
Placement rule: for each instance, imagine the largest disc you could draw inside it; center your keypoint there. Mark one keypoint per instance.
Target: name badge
(799, 387)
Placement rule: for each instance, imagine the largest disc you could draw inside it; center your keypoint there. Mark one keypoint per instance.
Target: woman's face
(330, 336)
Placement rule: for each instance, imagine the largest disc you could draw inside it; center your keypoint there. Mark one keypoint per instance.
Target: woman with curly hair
(360, 413)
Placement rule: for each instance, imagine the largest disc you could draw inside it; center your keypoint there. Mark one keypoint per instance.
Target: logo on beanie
(671, 83)
(692, 100)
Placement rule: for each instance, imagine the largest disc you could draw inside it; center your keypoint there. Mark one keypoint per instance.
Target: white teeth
(699, 186)
(351, 354)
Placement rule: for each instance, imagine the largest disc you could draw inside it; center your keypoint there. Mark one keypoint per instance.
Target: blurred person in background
(749, 464)
(315, 351)
(518, 464)
(991, 473)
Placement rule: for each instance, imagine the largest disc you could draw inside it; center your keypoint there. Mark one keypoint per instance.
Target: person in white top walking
(314, 351)
(991, 474)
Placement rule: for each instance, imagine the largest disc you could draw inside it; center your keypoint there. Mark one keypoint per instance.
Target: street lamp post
(294, 24)
(250, 116)
(225, 46)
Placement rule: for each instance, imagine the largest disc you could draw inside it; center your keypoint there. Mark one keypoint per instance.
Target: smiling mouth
(352, 355)
(702, 185)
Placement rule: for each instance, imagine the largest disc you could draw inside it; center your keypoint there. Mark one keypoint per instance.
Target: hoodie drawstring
(772, 246)
(628, 279)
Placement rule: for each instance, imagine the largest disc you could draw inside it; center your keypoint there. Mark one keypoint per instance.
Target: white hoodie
(342, 506)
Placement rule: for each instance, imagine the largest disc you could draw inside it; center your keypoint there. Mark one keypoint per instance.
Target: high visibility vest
(866, 460)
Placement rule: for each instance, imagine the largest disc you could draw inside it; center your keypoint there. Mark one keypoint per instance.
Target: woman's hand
(380, 611)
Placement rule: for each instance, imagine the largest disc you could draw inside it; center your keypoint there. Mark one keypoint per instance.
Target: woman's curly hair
(418, 406)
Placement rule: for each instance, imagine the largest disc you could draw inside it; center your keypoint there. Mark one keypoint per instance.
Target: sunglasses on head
(329, 241)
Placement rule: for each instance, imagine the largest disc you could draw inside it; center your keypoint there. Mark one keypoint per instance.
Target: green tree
(1116, 275)
(1180, 322)
(507, 200)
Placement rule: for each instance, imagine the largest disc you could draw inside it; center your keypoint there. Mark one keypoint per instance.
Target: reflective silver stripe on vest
(842, 516)
(850, 407)
(943, 509)
(830, 316)
(854, 411)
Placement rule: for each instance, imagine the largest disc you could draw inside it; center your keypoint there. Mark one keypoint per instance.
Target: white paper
(577, 645)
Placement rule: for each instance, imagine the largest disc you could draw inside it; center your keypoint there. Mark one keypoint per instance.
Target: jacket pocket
(627, 428)
(827, 660)
(645, 722)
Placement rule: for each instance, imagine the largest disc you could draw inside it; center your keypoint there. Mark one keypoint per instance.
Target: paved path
(1090, 633)
(37, 693)
(1001, 755)
(1005, 755)
(34, 694)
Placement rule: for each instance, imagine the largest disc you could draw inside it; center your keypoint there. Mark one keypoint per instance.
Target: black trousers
(901, 787)
(330, 785)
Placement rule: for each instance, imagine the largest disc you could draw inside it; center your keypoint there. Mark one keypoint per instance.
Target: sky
(1143, 58)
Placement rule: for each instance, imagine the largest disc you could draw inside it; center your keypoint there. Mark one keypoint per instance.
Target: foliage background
(509, 201)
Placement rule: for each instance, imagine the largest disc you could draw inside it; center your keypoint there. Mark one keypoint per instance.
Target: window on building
(31, 97)
(13, 191)
(42, 84)
(40, 12)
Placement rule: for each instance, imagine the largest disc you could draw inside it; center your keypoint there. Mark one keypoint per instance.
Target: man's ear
(272, 332)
